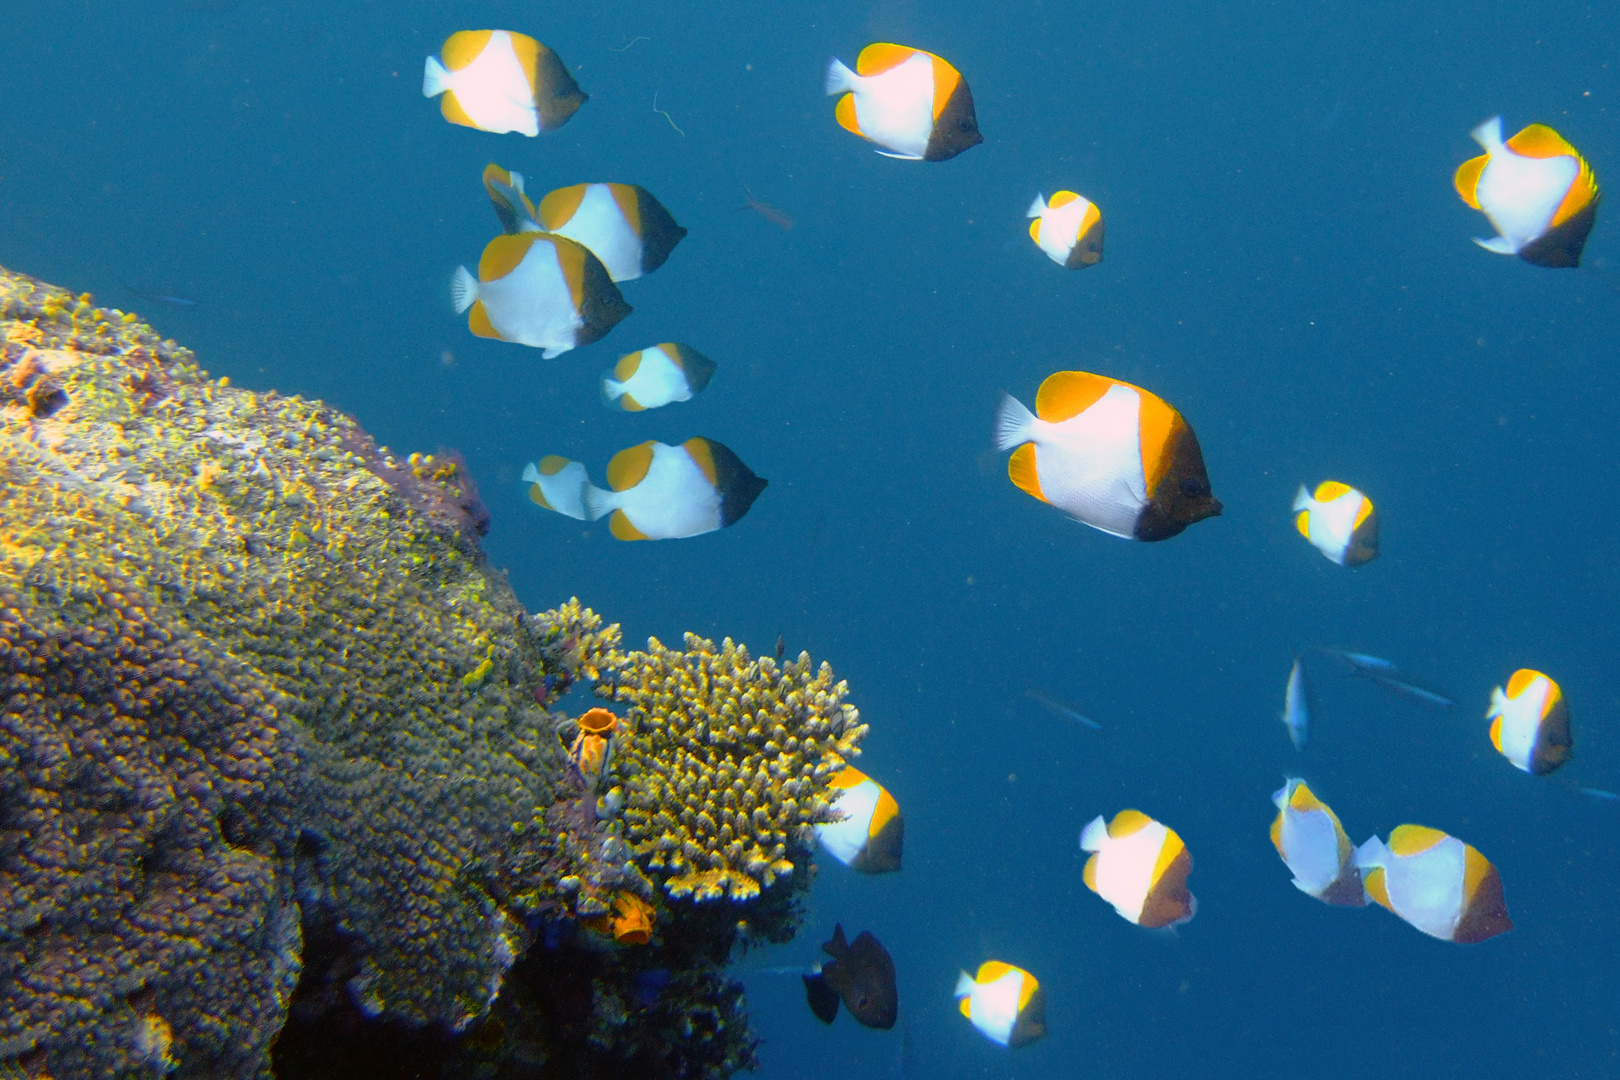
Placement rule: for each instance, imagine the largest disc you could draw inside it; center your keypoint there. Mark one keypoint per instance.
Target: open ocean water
(1286, 263)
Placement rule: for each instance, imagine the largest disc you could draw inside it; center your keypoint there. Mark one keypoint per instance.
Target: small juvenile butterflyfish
(657, 376)
(1005, 1003)
(1537, 190)
(870, 835)
(1436, 882)
(909, 102)
(622, 224)
(861, 975)
(1296, 715)
(1069, 229)
(557, 484)
(1109, 454)
(1530, 722)
(664, 492)
(500, 81)
(1339, 521)
(1140, 867)
(1313, 846)
(512, 205)
(540, 290)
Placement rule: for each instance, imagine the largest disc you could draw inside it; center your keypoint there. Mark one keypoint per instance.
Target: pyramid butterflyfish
(1069, 229)
(1530, 722)
(1140, 867)
(628, 229)
(512, 205)
(501, 81)
(870, 835)
(664, 492)
(1436, 882)
(539, 290)
(1312, 843)
(1339, 521)
(558, 484)
(1005, 1003)
(909, 102)
(1538, 191)
(1109, 454)
(656, 376)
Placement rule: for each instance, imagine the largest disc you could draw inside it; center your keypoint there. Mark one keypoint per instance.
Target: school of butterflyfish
(1107, 453)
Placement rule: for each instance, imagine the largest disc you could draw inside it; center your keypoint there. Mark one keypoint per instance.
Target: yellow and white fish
(1537, 190)
(539, 290)
(665, 492)
(871, 834)
(1069, 229)
(657, 376)
(500, 81)
(622, 224)
(1140, 867)
(1530, 722)
(1004, 1002)
(1108, 453)
(1339, 521)
(1436, 882)
(910, 102)
(1312, 843)
(558, 484)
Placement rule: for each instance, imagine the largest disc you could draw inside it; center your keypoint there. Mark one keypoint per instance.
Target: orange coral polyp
(598, 721)
(633, 919)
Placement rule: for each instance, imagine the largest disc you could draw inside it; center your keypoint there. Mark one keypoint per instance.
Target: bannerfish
(622, 224)
(500, 81)
(512, 205)
(657, 376)
(1140, 867)
(1312, 844)
(1296, 706)
(1005, 1003)
(870, 835)
(545, 291)
(1339, 521)
(1360, 663)
(1411, 691)
(558, 484)
(911, 103)
(1537, 190)
(861, 975)
(1530, 722)
(1436, 882)
(1069, 229)
(666, 492)
(1109, 454)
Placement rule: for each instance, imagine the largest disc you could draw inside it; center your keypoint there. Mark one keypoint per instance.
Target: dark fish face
(1183, 495)
(557, 97)
(604, 305)
(956, 128)
(1088, 248)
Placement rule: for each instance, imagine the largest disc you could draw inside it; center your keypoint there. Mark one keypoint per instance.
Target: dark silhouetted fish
(859, 974)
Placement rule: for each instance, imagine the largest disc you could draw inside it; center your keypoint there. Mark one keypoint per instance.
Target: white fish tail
(1091, 837)
(612, 391)
(435, 79)
(1489, 134)
(517, 182)
(599, 502)
(1498, 703)
(1303, 500)
(1038, 207)
(463, 289)
(1014, 423)
(531, 474)
(840, 80)
(964, 984)
(1372, 853)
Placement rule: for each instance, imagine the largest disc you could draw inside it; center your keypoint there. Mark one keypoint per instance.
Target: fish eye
(964, 124)
(1192, 487)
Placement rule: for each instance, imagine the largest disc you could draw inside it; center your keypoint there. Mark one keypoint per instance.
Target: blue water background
(1286, 263)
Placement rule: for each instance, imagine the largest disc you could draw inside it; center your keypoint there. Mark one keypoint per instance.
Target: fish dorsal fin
(629, 466)
(1169, 852)
(1157, 425)
(503, 254)
(946, 79)
(1303, 801)
(1328, 490)
(1520, 681)
(1061, 198)
(494, 173)
(845, 112)
(1089, 874)
(559, 206)
(1467, 179)
(1021, 470)
(552, 464)
(463, 47)
(627, 197)
(847, 777)
(1540, 141)
(837, 947)
(881, 56)
(1409, 840)
(990, 971)
(698, 450)
(1475, 867)
(1127, 822)
(527, 50)
(619, 525)
(1066, 394)
(571, 258)
(627, 366)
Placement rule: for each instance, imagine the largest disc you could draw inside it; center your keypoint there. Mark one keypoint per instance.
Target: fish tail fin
(1372, 853)
(1015, 424)
(434, 78)
(463, 289)
(840, 80)
(612, 391)
(599, 502)
(1302, 501)
(1091, 837)
(1036, 208)
(1499, 244)
(531, 475)
(1498, 703)
(1489, 134)
(964, 984)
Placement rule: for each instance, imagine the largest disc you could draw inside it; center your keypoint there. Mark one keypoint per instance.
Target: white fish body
(1518, 194)
(1089, 465)
(895, 108)
(493, 90)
